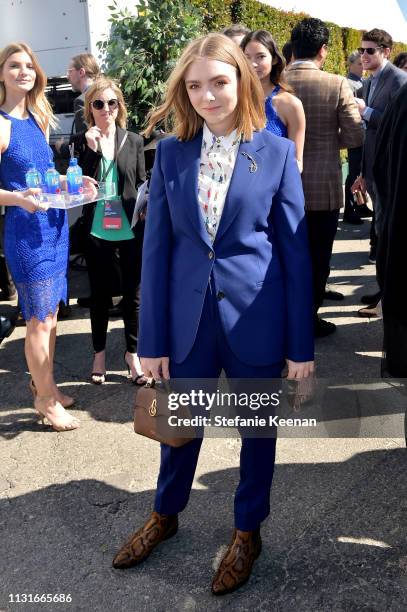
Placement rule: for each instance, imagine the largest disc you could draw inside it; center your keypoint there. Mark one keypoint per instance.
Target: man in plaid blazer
(333, 123)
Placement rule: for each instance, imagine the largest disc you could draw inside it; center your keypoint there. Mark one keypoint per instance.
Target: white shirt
(218, 158)
(303, 61)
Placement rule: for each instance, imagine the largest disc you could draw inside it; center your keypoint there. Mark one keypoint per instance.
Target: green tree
(142, 50)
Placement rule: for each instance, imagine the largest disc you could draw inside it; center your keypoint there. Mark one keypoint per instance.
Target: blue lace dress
(274, 123)
(35, 244)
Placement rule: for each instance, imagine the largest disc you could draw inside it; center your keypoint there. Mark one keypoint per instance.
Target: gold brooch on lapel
(253, 165)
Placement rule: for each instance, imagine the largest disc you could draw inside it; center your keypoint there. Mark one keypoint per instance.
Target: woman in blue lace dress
(284, 111)
(35, 239)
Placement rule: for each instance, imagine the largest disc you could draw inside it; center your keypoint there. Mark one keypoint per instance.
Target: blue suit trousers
(210, 355)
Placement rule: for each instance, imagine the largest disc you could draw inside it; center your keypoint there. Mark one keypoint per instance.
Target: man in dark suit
(352, 212)
(82, 71)
(378, 90)
(384, 82)
(390, 174)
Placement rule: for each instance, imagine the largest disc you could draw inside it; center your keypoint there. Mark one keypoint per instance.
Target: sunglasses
(369, 50)
(99, 104)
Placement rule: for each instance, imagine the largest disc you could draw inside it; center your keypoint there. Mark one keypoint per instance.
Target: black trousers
(355, 163)
(322, 226)
(377, 213)
(6, 282)
(100, 258)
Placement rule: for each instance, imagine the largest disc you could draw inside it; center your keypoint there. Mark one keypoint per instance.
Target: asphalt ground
(336, 536)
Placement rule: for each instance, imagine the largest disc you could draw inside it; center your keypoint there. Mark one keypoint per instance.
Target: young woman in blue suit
(226, 277)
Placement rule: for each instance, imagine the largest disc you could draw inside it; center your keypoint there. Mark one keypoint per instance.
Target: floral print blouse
(218, 158)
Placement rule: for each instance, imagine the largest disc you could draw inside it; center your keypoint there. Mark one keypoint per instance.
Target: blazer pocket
(269, 281)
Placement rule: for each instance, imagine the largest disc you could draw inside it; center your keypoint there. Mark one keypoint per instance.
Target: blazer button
(210, 254)
(220, 295)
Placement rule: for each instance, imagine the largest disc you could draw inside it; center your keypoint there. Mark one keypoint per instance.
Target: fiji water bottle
(33, 178)
(74, 177)
(52, 179)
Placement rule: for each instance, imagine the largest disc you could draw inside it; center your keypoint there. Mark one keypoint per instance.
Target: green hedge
(256, 15)
(335, 61)
(218, 14)
(352, 39)
(398, 48)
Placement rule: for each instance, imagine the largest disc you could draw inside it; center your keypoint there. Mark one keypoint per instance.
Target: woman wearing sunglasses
(111, 154)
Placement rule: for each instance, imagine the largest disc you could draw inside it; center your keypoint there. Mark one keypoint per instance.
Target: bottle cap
(73, 161)
(51, 164)
(31, 166)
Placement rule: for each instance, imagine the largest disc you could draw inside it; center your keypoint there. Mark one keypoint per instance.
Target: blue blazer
(259, 259)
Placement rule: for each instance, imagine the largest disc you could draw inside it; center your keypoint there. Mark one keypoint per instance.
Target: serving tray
(67, 200)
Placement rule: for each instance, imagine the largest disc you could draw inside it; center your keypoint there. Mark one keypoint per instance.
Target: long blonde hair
(36, 100)
(177, 112)
(101, 84)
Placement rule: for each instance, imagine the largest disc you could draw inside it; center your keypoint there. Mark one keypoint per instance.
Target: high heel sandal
(97, 378)
(68, 425)
(139, 377)
(67, 404)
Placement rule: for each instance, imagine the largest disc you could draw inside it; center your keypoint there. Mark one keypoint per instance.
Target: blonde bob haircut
(36, 100)
(177, 112)
(96, 88)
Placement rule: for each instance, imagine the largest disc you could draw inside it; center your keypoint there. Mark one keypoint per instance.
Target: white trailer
(57, 30)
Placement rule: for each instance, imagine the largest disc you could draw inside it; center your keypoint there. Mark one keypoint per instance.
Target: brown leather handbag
(151, 414)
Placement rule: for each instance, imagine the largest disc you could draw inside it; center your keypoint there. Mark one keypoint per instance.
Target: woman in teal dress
(109, 153)
(284, 111)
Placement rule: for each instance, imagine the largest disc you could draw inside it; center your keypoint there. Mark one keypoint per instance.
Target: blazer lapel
(121, 159)
(247, 168)
(187, 158)
(366, 89)
(382, 80)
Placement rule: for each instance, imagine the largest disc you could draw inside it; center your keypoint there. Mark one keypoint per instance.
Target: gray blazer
(390, 81)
